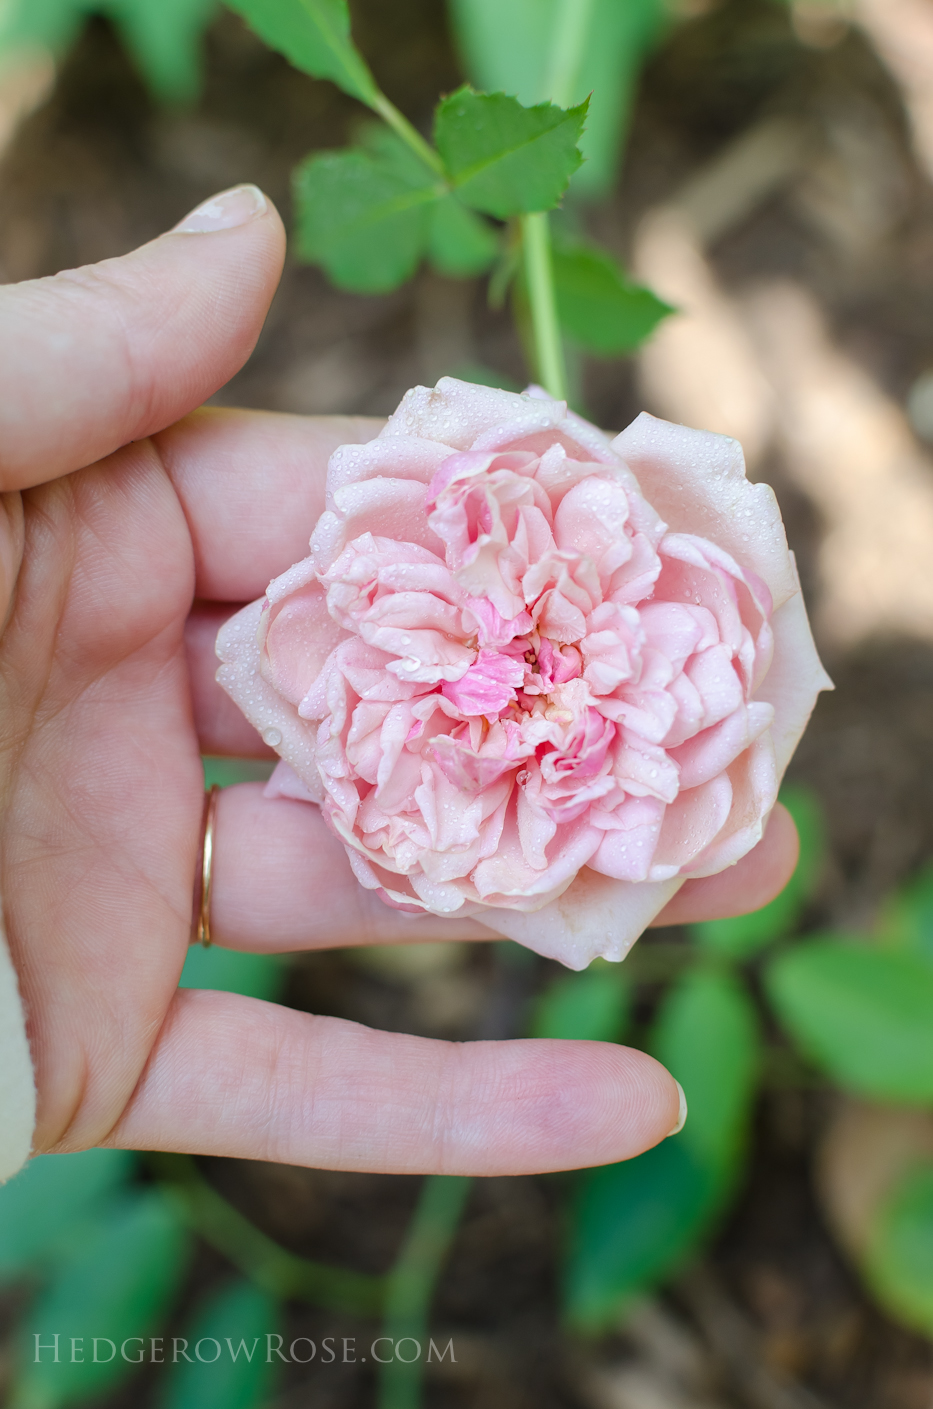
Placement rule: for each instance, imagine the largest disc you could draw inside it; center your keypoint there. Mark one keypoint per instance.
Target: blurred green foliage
(601, 310)
(898, 1261)
(633, 1223)
(47, 1205)
(110, 1289)
(163, 37)
(236, 1319)
(592, 1006)
(861, 1014)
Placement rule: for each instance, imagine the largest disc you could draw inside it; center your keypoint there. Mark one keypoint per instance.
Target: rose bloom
(532, 674)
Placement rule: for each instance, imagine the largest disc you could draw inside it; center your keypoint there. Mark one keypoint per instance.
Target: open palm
(123, 545)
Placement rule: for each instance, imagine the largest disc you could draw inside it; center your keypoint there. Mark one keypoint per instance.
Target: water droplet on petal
(272, 737)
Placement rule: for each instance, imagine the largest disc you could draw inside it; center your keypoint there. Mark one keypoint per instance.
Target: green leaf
(631, 1225)
(460, 243)
(907, 920)
(116, 1286)
(744, 935)
(164, 40)
(235, 1321)
(364, 213)
(863, 1015)
(48, 1199)
(592, 1005)
(562, 50)
(598, 306)
(898, 1261)
(505, 159)
(706, 1034)
(233, 971)
(314, 35)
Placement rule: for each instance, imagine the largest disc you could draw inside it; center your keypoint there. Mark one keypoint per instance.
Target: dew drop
(272, 737)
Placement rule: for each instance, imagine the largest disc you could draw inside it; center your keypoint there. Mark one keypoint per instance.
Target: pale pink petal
(677, 629)
(536, 831)
(492, 629)
(297, 576)
(713, 750)
(644, 769)
(508, 874)
(690, 824)
(452, 820)
(285, 782)
(392, 508)
(299, 637)
(713, 675)
(629, 843)
(696, 481)
(397, 457)
(794, 679)
(595, 917)
(612, 647)
(456, 413)
(488, 686)
(468, 770)
(276, 720)
(754, 782)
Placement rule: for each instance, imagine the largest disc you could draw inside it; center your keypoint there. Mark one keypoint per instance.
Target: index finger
(251, 484)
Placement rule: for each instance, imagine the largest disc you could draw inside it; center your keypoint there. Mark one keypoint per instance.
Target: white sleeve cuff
(17, 1085)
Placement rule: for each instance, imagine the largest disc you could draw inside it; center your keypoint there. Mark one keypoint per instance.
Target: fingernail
(223, 212)
(681, 1113)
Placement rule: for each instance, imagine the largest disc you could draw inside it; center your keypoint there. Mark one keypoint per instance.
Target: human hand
(125, 533)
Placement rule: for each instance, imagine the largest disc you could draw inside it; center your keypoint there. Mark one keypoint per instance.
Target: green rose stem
(569, 30)
(542, 302)
(536, 246)
(283, 1274)
(404, 129)
(411, 1283)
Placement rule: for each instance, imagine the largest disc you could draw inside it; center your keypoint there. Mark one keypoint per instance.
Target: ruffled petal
(696, 481)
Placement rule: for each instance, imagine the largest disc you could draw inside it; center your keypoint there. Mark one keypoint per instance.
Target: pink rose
(529, 673)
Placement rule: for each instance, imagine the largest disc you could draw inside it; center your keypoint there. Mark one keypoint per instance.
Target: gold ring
(201, 921)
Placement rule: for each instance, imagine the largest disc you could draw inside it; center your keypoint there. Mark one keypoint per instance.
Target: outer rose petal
(395, 457)
(285, 782)
(696, 481)
(299, 636)
(754, 793)
(388, 508)
(596, 917)
(266, 710)
(795, 677)
(469, 417)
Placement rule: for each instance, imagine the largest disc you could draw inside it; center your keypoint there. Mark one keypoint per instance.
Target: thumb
(96, 357)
